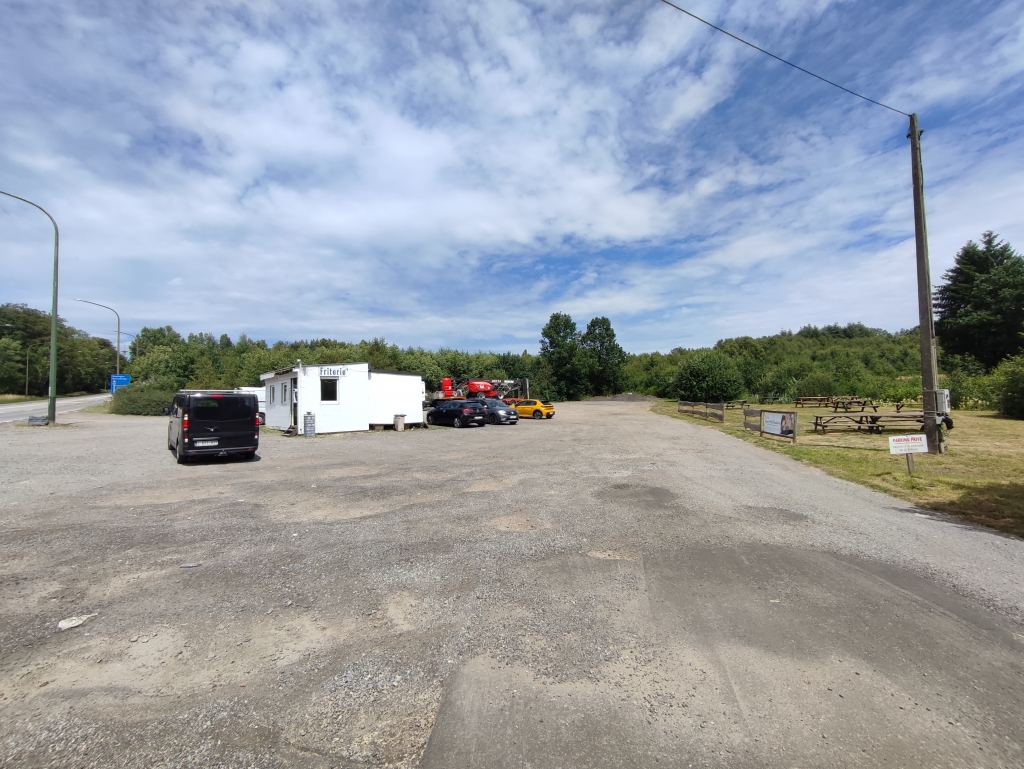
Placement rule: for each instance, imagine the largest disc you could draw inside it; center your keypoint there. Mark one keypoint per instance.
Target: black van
(213, 422)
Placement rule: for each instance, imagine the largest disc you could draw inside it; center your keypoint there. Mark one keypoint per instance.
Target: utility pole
(929, 364)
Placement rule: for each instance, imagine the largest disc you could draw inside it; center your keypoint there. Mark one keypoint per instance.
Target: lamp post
(117, 357)
(51, 408)
(133, 336)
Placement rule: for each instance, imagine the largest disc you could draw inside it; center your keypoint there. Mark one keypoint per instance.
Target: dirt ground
(609, 588)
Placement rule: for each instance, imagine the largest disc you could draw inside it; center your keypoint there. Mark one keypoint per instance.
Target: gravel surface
(609, 588)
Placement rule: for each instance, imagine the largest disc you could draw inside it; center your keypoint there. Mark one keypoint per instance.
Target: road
(13, 412)
(610, 588)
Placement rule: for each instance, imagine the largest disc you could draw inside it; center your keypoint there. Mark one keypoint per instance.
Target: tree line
(84, 363)
(979, 322)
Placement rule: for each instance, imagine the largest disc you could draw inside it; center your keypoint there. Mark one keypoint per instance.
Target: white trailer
(341, 397)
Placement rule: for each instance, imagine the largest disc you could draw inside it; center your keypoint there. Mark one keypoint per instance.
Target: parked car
(499, 412)
(458, 414)
(535, 409)
(210, 422)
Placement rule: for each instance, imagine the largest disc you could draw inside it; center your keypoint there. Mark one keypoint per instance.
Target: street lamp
(117, 357)
(133, 336)
(51, 408)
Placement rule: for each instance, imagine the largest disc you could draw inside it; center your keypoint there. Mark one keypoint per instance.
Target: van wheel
(180, 456)
(249, 456)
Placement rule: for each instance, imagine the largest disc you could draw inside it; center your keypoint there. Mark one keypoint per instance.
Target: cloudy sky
(451, 173)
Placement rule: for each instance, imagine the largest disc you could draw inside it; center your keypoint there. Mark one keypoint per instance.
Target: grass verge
(98, 408)
(8, 398)
(979, 479)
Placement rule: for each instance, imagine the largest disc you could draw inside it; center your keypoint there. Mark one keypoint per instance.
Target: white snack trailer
(341, 397)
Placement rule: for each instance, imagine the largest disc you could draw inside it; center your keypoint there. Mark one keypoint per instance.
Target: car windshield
(496, 404)
(224, 408)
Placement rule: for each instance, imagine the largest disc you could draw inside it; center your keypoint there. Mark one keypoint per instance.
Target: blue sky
(451, 173)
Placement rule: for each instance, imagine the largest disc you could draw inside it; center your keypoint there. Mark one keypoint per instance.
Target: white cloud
(404, 171)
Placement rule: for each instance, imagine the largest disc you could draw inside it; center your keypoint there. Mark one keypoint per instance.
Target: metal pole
(51, 409)
(117, 357)
(929, 364)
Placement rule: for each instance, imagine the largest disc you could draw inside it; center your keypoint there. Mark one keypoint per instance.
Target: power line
(779, 58)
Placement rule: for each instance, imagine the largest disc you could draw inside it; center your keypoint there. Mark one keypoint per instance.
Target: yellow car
(535, 409)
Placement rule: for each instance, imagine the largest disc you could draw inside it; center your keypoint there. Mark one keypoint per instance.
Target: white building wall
(392, 394)
(364, 397)
(350, 412)
(278, 413)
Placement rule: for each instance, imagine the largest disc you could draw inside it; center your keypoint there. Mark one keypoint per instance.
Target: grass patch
(98, 408)
(979, 479)
(9, 398)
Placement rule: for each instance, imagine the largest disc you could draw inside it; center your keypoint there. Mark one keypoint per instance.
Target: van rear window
(224, 409)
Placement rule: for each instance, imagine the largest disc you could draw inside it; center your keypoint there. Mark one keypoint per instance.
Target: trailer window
(328, 389)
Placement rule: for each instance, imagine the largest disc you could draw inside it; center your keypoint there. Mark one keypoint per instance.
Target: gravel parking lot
(610, 588)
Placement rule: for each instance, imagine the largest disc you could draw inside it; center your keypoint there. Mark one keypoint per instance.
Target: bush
(708, 377)
(1009, 386)
(144, 399)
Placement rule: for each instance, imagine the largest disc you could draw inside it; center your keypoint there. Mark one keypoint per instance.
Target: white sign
(908, 444)
(778, 423)
(332, 371)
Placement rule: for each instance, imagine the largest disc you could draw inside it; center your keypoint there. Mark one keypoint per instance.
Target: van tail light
(184, 422)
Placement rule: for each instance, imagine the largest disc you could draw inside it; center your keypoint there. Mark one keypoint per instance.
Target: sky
(450, 173)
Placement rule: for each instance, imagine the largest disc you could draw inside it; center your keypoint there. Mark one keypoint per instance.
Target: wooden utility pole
(929, 364)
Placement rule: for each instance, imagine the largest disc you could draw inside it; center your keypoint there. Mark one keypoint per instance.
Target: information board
(119, 380)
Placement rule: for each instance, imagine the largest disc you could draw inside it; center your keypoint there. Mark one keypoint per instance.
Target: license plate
(204, 443)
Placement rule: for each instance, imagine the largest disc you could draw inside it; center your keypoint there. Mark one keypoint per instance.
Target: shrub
(143, 399)
(709, 377)
(1009, 386)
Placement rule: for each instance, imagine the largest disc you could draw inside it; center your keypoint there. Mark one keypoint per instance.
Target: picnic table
(735, 404)
(813, 400)
(904, 404)
(871, 423)
(849, 404)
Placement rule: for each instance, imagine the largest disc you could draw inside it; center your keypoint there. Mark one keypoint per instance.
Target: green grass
(98, 408)
(8, 398)
(979, 479)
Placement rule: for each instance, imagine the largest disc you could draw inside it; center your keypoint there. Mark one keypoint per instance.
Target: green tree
(980, 307)
(709, 376)
(1009, 386)
(568, 364)
(12, 365)
(606, 357)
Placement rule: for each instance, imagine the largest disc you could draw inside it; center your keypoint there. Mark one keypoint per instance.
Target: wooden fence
(714, 411)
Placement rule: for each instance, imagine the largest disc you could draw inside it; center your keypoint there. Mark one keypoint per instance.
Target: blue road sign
(119, 380)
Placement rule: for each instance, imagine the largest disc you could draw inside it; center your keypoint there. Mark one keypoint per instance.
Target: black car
(208, 422)
(458, 414)
(499, 412)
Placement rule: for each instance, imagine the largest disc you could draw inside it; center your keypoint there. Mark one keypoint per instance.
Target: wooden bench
(899, 406)
(735, 404)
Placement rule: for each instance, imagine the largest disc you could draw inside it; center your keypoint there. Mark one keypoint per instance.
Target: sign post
(119, 380)
(909, 445)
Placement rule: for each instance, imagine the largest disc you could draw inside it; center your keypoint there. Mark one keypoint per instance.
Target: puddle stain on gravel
(651, 497)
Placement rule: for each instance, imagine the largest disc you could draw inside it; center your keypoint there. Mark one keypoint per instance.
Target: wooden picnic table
(736, 404)
(872, 423)
(849, 404)
(813, 400)
(904, 404)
